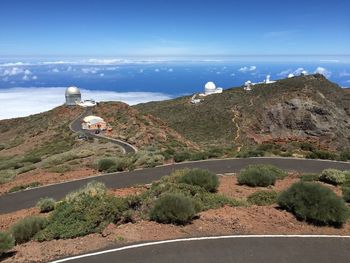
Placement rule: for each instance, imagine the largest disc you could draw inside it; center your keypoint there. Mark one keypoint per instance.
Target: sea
(37, 84)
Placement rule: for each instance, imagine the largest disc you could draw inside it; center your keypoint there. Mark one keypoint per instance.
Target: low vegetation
(260, 175)
(7, 242)
(25, 229)
(315, 204)
(88, 210)
(263, 198)
(173, 209)
(203, 178)
(310, 177)
(46, 204)
(332, 176)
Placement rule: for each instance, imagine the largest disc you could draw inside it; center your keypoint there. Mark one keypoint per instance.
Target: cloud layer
(20, 102)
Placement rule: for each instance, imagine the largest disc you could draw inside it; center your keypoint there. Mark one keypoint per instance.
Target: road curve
(237, 249)
(75, 126)
(28, 198)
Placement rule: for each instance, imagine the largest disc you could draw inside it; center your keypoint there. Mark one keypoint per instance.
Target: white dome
(210, 86)
(72, 91)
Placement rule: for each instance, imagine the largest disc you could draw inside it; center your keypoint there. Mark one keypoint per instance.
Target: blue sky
(173, 28)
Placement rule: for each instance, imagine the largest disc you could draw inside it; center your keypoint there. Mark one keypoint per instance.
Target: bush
(120, 165)
(182, 156)
(93, 188)
(46, 204)
(26, 228)
(346, 194)
(7, 242)
(332, 176)
(6, 176)
(321, 155)
(31, 159)
(81, 216)
(105, 164)
(263, 198)
(309, 177)
(258, 175)
(198, 156)
(250, 153)
(173, 209)
(60, 168)
(203, 178)
(344, 155)
(315, 204)
(26, 169)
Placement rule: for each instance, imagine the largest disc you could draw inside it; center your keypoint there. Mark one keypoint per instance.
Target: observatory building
(93, 123)
(210, 88)
(73, 96)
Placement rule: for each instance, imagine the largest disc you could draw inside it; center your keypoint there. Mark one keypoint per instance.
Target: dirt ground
(223, 221)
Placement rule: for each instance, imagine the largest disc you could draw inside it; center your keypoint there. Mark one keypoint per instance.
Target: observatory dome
(73, 96)
(210, 86)
(72, 91)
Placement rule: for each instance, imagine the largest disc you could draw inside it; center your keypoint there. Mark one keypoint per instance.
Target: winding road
(75, 126)
(226, 249)
(28, 198)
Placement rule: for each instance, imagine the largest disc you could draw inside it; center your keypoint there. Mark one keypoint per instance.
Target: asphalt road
(75, 126)
(26, 199)
(237, 250)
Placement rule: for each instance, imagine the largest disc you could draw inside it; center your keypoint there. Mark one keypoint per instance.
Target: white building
(210, 88)
(93, 123)
(248, 85)
(268, 81)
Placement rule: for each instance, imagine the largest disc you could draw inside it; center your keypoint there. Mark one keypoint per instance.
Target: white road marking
(193, 239)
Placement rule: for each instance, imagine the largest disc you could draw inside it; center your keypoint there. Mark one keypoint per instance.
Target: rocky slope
(305, 108)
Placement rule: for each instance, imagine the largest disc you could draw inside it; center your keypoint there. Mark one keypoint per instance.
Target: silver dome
(72, 91)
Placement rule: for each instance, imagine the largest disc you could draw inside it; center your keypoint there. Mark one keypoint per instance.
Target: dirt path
(238, 129)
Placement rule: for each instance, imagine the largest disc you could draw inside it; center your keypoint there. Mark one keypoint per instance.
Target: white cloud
(55, 70)
(232, 74)
(19, 102)
(170, 70)
(247, 69)
(102, 74)
(12, 71)
(323, 71)
(156, 70)
(90, 70)
(284, 73)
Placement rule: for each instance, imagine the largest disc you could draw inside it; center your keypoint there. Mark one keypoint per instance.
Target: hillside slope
(305, 108)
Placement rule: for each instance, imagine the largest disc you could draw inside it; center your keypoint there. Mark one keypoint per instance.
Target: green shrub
(250, 153)
(173, 209)
(346, 194)
(7, 242)
(31, 159)
(46, 204)
(26, 228)
(262, 198)
(6, 176)
(182, 156)
(332, 176)
(321, 155)
(26, 169)
(309, 177)
(105, 164)
(315, 204)
(344, 155)
(258, 175)
(306, 146)
(198, 156)
(23, 187)
(93, 188)
(81, 216)
(203, 178)
(63, 168)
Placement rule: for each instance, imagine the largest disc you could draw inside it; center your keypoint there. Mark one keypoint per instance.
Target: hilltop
(300, 109)
(41, 148)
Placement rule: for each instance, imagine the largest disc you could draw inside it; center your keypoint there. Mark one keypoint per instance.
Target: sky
(173, 28)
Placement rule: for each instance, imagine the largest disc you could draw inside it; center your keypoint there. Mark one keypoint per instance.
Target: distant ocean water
(153, 80)
(175, 78)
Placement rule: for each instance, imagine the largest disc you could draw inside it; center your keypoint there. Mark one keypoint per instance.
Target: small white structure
(268, 81)
(210, 88)
(73, 96)
(291, 75)
(87, 103)
(248, 85)
(194, 100)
